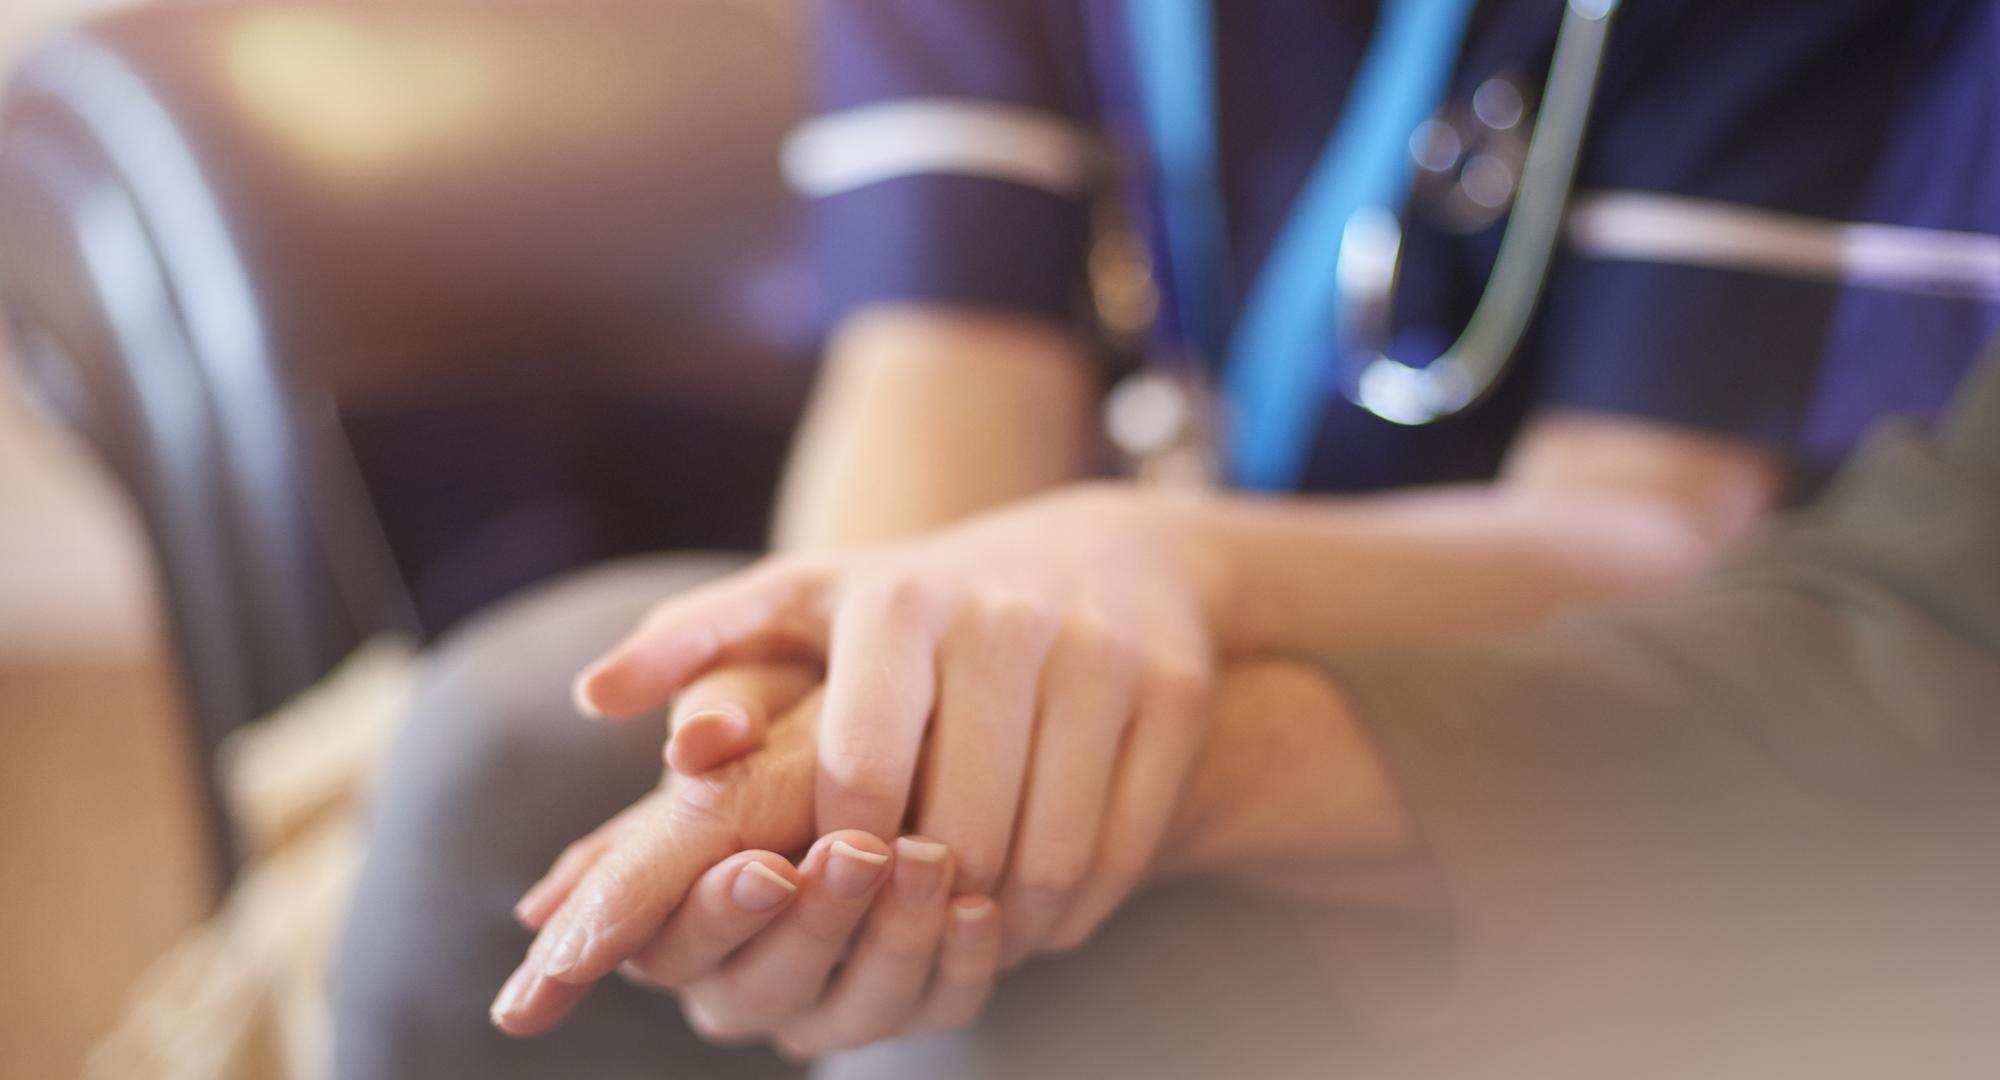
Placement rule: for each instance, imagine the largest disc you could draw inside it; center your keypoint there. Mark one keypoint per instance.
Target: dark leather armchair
(379, 310)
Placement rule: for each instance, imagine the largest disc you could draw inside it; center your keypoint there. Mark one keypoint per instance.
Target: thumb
(689, 634)
(725, 714)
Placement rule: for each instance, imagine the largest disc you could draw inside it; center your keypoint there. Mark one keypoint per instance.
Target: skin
(1032, 687)
(1320, 819)
(921, 417)
(1049, 664)
(669, 887)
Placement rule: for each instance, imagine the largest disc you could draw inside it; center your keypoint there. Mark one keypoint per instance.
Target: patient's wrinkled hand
(685, 890)
(612, 891)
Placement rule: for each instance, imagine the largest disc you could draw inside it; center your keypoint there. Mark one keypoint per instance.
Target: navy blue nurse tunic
(951, 162)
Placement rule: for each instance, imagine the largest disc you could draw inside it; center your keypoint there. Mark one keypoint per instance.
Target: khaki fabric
(244, 997)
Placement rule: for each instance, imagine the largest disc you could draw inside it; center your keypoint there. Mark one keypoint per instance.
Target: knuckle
(1015, 618)
(753, 1010)
(617, 910)
(1098, 646)
(964, 979)
(578, 851)
(1044, 882)
(903, 598)
(865, 778)
(648, 972)
(979, 869)
(828, 929)
(905, 947)
(706, 802)
(716, 1028)
(1180, 683)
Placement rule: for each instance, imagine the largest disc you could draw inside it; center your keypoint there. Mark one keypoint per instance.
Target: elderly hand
(1289, 795)
(668, 893)
(1049, 664)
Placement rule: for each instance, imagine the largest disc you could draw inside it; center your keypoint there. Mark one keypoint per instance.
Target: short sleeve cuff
(1729, 352)
(959, 240)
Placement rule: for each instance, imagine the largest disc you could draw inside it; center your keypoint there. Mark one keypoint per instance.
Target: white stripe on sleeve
(1643, 227)
(857, 147)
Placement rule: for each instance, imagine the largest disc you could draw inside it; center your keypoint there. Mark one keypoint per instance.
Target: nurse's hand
(1050, 666)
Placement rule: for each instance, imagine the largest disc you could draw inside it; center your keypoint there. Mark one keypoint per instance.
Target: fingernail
(508, 1001)
(758, 888)
(919, 866)
(851, 872)
(579, 696)
(930, 851)
(567, 950)
(970, 919)
(720, 714)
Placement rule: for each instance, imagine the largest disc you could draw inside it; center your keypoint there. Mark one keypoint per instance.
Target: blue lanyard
(1275, 351)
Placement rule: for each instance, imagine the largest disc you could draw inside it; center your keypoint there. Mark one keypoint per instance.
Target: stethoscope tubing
(1469, 370)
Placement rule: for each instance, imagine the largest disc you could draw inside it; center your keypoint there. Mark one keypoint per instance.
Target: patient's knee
(494, 761)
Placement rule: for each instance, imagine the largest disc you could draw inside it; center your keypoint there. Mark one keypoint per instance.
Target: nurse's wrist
(1208, 536)
(1171, 529)
(1186, 528)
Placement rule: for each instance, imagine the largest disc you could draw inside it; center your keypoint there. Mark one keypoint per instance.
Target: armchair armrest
(222, 225)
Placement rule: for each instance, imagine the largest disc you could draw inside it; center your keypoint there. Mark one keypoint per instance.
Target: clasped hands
(1031, 691)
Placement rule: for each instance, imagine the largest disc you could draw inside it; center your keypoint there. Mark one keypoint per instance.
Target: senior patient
(1068, 700)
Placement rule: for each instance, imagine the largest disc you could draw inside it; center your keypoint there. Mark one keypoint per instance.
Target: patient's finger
(629, 893)
(669, 839)
(728, 906)
(688, 634)
(545, 896)
(530, 1003)
(724, 714)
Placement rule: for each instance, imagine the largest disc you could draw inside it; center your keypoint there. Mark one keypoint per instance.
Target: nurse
(1668, 393)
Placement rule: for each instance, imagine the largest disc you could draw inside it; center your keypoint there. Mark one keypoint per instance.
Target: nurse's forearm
(1321, 575)
(1587, 506)
(924, 415)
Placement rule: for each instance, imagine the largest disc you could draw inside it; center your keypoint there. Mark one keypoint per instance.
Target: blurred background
(100, 829)
(328, 322)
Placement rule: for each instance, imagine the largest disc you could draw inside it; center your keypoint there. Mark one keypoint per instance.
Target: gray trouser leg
(494, 775)
(1191, 982)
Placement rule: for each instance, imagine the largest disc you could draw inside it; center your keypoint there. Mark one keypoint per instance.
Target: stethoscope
(1276, 346)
